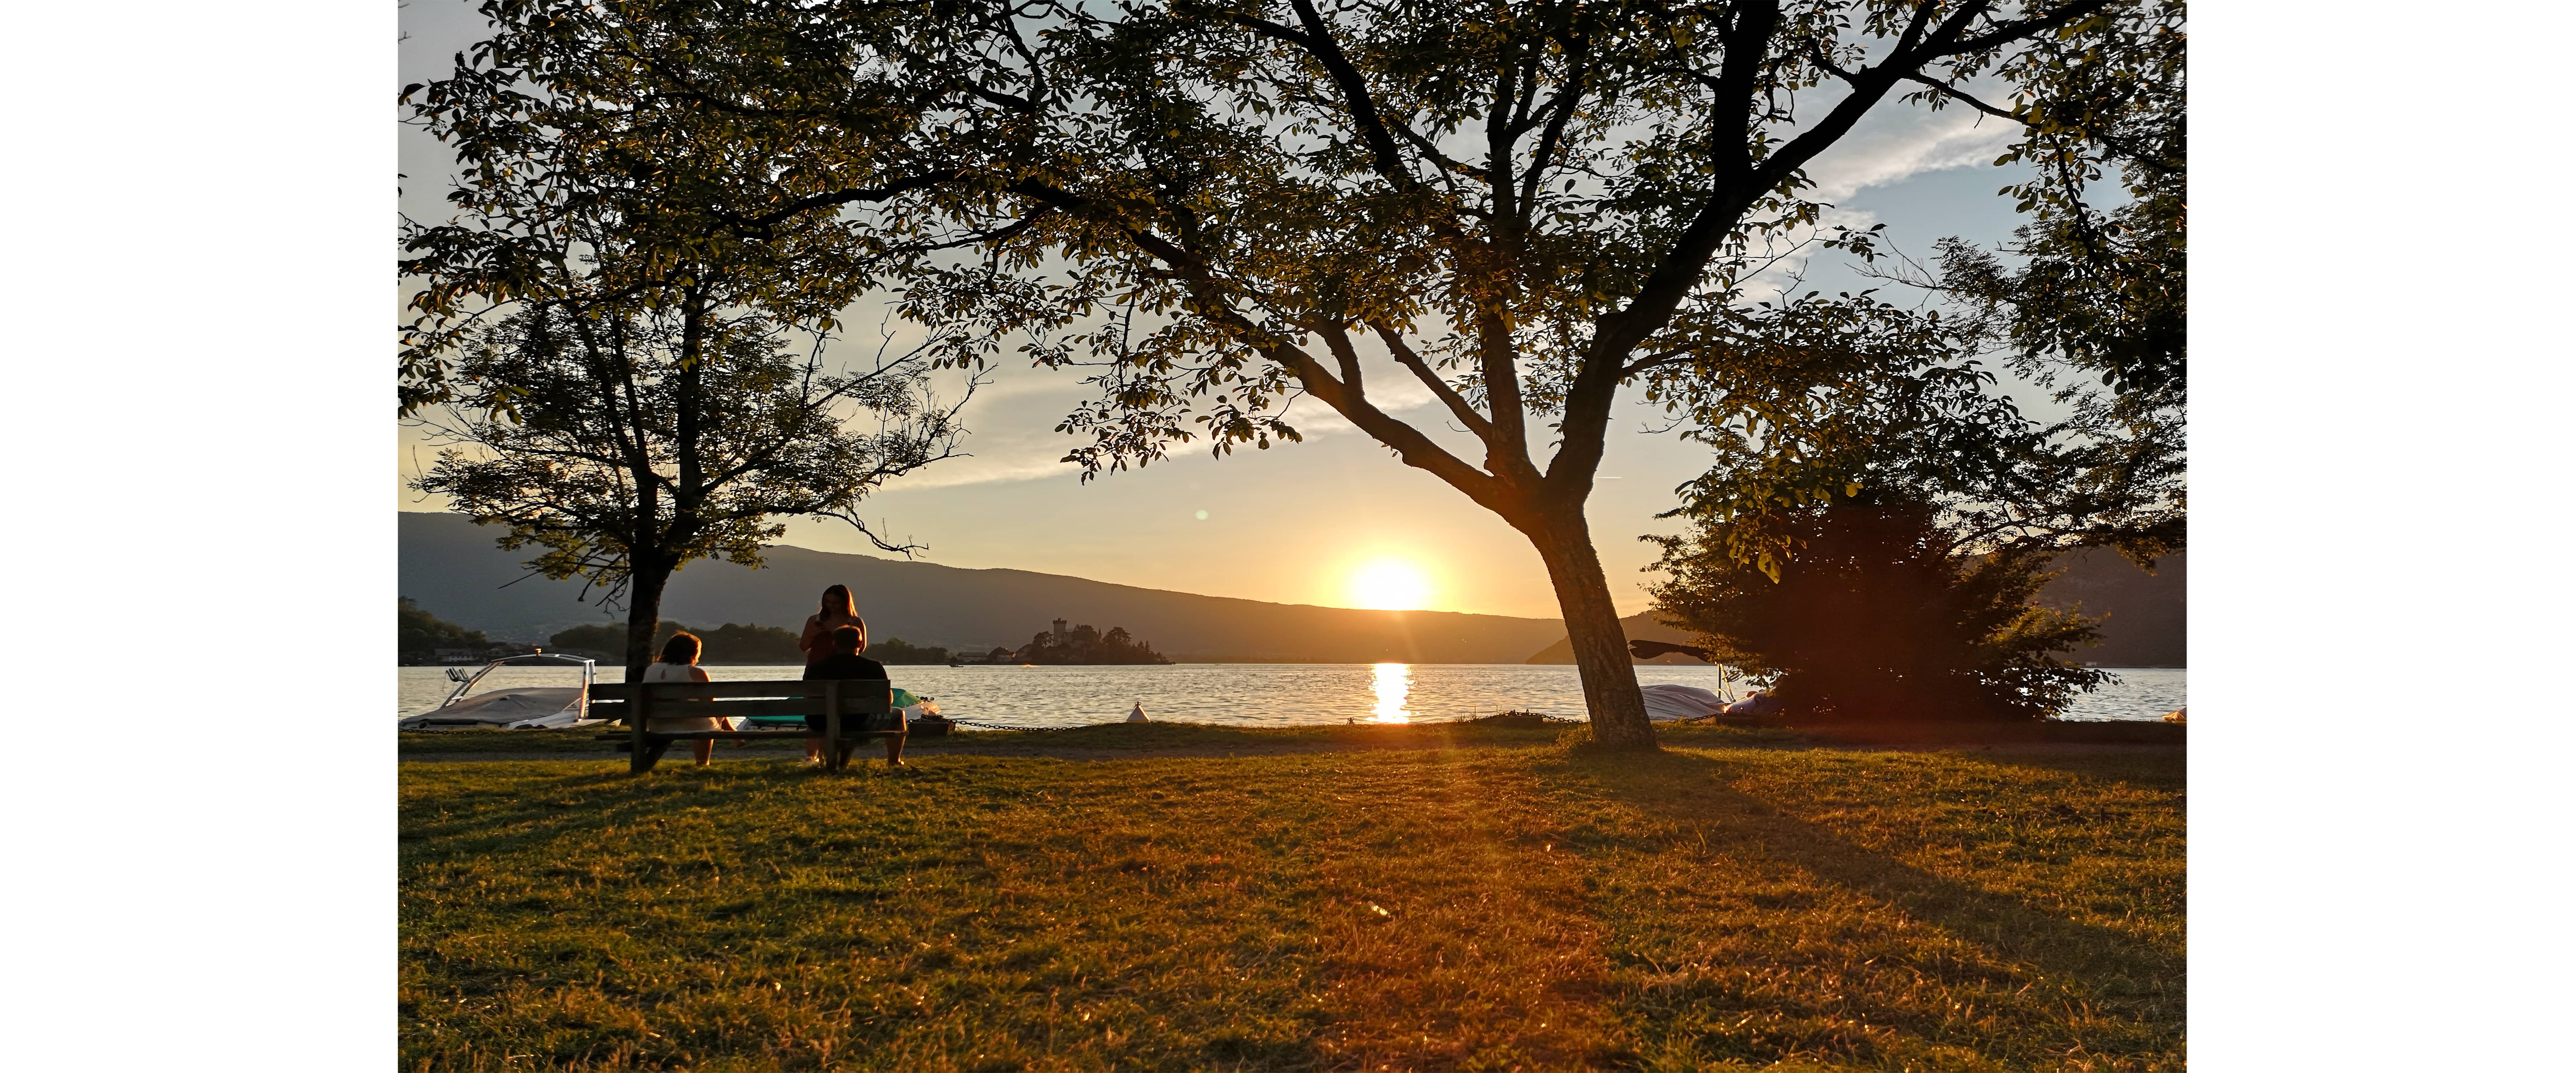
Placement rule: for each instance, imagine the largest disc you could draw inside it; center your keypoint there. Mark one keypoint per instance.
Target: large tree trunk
(643, 615)
(1592, 625)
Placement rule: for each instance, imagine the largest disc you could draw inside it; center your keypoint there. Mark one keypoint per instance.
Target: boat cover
(517, 707)
(1666, 703)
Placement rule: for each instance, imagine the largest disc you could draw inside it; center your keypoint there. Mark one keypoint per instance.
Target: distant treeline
(731, 643)
(422, 637)
(1086, 645)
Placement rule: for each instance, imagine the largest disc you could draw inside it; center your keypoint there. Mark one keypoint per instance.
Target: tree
(897, 651)
(1878, 612)
(729, 643)
(1856, 398)
(2091, 290)
(1878, 520)
(1878, 524)
(1519, 209)
(751, 643)
(2098, 288)
(419, 635)
(607, 333)
(624, 446)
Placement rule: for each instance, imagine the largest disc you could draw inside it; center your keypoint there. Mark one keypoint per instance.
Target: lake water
(1265, 694)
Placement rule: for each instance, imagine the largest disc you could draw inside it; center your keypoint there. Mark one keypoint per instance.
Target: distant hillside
(2145, 624)
(1638, 627)
(450, 566)
(2142, 613)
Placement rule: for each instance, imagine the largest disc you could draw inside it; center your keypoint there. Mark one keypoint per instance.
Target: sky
(1335, 520)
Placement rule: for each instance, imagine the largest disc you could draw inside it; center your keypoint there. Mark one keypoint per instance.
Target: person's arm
(699, 674)
(813, 633)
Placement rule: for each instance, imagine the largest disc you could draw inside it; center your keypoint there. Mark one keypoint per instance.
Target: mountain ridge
(451, 567)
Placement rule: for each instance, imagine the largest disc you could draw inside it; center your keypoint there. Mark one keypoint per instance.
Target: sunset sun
(1389, 585)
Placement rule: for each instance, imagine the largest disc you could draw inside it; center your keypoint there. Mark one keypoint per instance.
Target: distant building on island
(1085, 645)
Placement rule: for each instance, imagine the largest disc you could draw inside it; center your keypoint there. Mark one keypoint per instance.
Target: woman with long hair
(679, 663)
(838, 610)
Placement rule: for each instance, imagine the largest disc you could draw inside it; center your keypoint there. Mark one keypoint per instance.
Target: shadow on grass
(552, 803)
(1697, 791)
(2150, 768)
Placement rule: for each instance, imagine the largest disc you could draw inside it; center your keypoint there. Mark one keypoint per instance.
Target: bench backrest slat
(855, 706)
(670, 691)
(869, 696)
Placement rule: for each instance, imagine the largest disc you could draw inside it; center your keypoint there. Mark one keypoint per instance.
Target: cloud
(1899, 143)
(1892, 145)
(1018, 463)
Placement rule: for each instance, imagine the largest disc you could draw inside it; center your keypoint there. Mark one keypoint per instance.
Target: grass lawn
(1483, 902)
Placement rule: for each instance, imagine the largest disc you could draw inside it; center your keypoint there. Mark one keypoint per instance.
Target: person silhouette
(838, 610)
(845, 663)
(679, 663)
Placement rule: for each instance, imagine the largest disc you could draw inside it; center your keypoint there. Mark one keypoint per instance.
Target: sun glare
(1389, 585)
(1394, 684)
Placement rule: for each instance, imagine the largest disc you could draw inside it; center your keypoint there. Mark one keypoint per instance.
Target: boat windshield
(523, 677)
(532, 675)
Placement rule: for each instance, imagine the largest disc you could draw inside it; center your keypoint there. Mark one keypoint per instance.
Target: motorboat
(923, 720)
(512, 707)
(1674, 703)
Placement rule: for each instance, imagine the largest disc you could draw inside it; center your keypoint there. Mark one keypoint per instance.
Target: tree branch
(1318, 42)
(845, 196)
(1338, 340)
(1404, 355)
(2127, 150)
(1409, 443)
(2015, 31)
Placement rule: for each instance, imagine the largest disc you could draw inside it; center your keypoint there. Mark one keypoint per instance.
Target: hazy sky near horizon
(1297, 523)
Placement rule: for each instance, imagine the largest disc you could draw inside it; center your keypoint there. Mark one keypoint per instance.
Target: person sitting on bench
(679, 663)
(846, 664)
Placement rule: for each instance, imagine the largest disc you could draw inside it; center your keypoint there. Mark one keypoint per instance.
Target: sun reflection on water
(1394, 683)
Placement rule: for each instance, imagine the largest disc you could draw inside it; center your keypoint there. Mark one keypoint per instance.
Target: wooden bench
(848, 708)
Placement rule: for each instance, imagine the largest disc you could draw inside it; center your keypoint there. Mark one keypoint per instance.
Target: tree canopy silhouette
(1877, 611)
(1517, 210)
(627, 373)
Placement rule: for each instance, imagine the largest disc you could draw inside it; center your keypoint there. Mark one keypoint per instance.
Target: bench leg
(651, 754)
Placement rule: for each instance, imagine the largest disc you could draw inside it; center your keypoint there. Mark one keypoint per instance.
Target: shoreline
(1136, 741)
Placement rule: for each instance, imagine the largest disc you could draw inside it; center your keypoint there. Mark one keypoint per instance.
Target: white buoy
(1137, 714)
